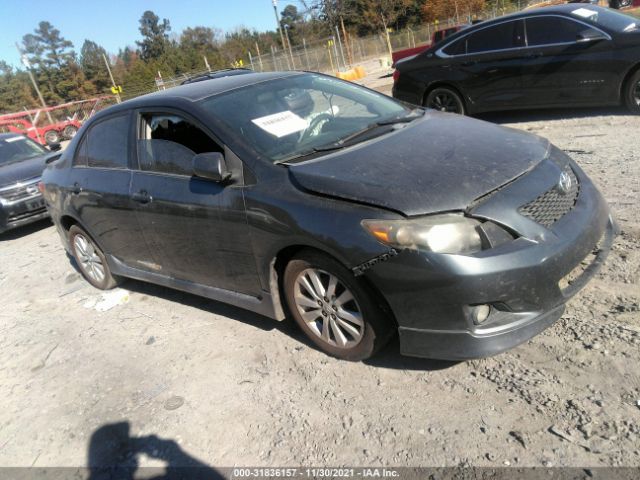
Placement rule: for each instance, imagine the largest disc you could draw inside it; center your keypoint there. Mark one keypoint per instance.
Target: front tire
(632, 93)
(445, 99)
(335, 310)
(90, 259)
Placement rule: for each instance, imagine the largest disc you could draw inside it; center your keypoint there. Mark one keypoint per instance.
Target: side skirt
(261, 305)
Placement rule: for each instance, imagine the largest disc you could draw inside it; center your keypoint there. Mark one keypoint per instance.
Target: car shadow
(390, 357)
(25, 230)
(114, 453)
(523, 116)
(212, 306)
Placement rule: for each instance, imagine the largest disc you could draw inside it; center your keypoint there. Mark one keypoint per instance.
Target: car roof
(563, 9)
(198, 90)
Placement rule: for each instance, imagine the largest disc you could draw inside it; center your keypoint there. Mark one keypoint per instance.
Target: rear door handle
(533, 55)
(469, 63)
(141, 197)
(76, 189)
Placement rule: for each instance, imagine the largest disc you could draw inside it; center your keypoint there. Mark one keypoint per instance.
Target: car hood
(441, 162)
(22, 170)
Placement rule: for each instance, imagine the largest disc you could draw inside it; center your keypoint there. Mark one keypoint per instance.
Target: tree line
(63, 74)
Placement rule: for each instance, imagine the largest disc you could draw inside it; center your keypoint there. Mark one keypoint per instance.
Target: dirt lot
(233, 388)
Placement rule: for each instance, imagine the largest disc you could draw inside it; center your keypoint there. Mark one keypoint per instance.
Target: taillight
(396, 75)
(41, 187)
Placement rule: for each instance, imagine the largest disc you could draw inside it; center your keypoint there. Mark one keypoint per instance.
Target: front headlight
(447, 233)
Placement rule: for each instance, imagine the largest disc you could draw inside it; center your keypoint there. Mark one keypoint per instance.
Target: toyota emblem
(565, 183)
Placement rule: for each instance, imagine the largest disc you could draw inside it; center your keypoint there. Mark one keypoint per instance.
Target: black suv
(361, 217)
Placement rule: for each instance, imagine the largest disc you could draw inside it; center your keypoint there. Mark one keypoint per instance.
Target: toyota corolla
(299, 194)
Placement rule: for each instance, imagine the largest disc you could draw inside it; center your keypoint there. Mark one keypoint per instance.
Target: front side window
(499, 37)
(168, 143)
(288, 117)
(549, 30)
(106, 143)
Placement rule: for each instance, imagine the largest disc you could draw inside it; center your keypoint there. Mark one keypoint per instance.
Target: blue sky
(114, 23)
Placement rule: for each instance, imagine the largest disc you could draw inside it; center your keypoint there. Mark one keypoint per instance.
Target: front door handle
(469, 63)
(533, 55)
(76, 189)
(141, 197)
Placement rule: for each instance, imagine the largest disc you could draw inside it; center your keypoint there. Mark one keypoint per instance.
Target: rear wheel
(70, 131)
(445, 99)
(90, 260)
(632, 93)
(333, 308)
(51, 136)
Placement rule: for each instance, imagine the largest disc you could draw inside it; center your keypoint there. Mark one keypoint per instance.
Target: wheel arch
(276, 276)
(623, 85)
(446, 84)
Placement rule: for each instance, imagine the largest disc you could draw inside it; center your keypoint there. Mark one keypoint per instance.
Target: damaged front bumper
(525, 285)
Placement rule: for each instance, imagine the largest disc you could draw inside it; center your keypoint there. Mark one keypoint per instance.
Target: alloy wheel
(328, 308)
(444, 101)
(89, 260)
(636, 93)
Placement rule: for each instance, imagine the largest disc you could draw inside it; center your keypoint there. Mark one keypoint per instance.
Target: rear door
(197, 228)
(563, 68)
(488, 63)
(98, 189)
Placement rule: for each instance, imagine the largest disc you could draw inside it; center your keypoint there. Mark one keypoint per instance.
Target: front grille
(20, 191)
(552, 205)
(25, 215)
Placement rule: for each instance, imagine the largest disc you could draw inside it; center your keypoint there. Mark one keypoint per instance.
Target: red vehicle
(50, 125)
(47, 135)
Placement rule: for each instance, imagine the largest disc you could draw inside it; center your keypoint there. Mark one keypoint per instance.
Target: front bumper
(523, 282)
(14, 214)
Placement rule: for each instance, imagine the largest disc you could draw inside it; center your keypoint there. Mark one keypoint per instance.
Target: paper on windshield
(585, 12)
(13, 139)
(281, 124)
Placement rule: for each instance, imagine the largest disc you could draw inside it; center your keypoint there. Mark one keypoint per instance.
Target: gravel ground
(185, 378)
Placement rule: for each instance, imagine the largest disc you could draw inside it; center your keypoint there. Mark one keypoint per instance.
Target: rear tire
(90, 259)
(70, 131)
(632, 93)
(51, 137)
(445, 99)
(335, 310)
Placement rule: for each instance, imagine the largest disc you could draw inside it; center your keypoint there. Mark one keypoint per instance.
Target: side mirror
(590, 35)
(211, 166)
(55, 147)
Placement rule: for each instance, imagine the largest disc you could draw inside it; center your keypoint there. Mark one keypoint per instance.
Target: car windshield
(294, 116)
(15, 149)
(608, 19)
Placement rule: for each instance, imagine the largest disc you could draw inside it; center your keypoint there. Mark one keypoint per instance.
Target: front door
(197, 228)
(567, 62)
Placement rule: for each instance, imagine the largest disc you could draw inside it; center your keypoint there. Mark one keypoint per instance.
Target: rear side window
(499, 37)
(457, 48)
(550, 30)
(169, 142)
(105, 144)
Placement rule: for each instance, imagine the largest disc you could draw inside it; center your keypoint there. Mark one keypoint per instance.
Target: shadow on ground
(522, 116)
(114, 454)
(25, 230)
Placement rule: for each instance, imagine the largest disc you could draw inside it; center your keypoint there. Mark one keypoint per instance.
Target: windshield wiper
(344, 142)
